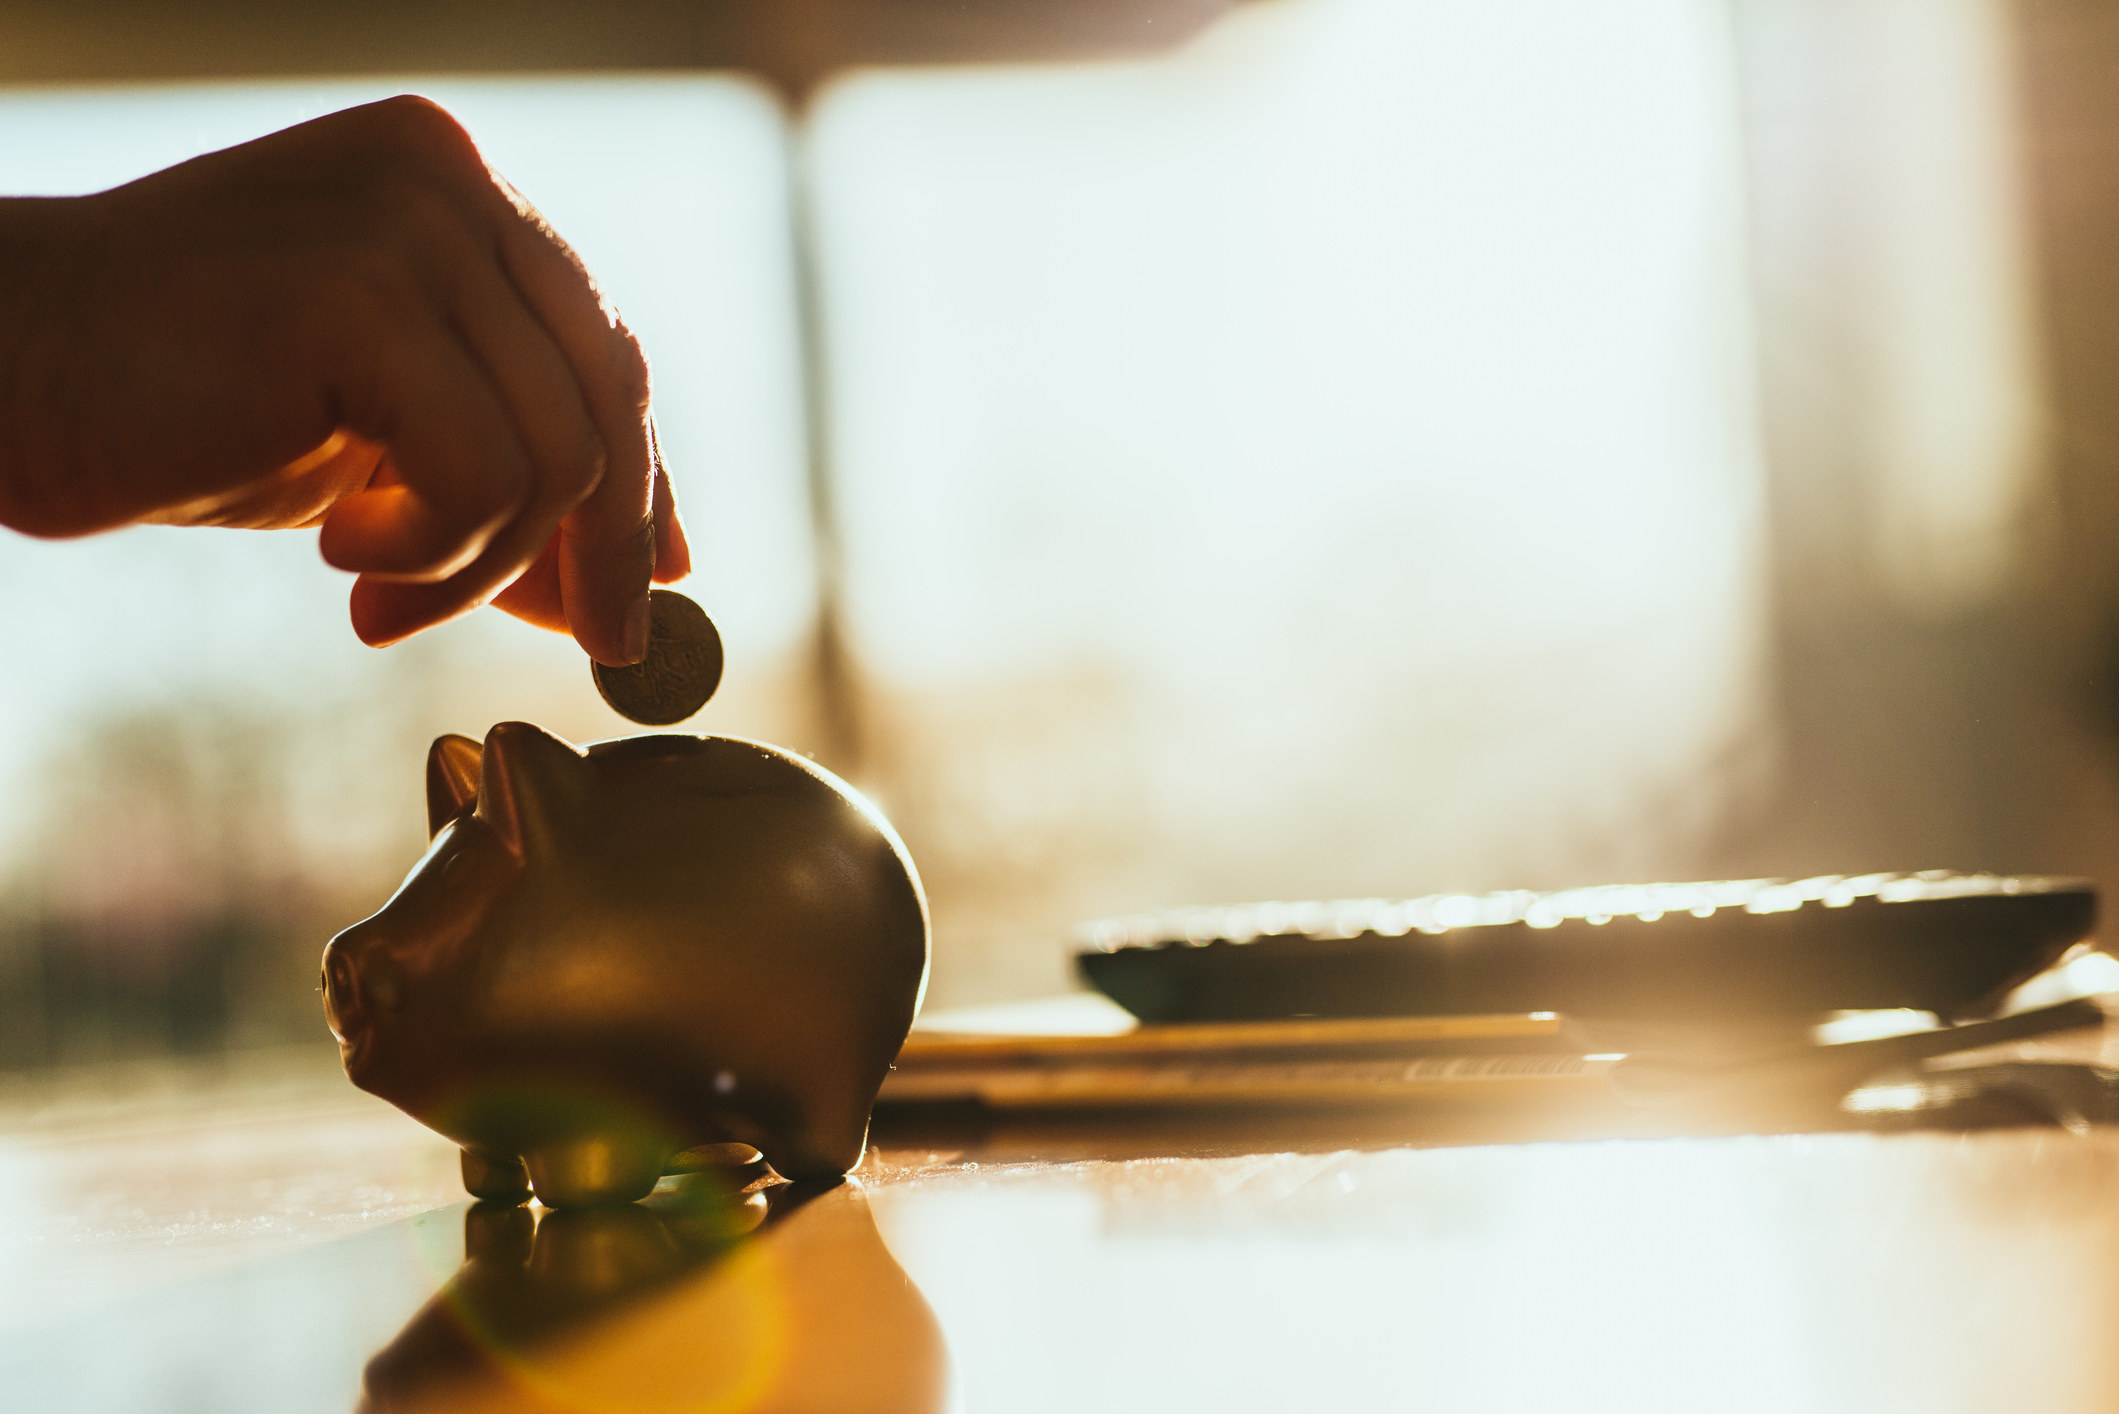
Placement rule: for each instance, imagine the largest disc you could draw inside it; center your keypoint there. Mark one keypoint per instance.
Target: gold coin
(680, 672)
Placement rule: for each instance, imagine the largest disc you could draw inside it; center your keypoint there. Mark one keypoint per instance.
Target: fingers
(575, 385)
(388, 609)
(608, 542)
(513, 403)
(537, 597)
(454, 445)
(534, 597)
(534, 383)
(606, 558)
(296, 496)
(566, 454)
(603, 579)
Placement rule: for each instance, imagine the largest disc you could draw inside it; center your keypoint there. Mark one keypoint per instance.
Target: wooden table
(260, 1239)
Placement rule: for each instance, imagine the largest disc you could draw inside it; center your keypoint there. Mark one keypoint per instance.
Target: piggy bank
(612, 957)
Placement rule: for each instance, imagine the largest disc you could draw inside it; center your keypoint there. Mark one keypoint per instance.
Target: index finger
(607, 550)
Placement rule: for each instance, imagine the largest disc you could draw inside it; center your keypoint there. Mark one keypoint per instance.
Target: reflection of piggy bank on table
(781, 1300)
(608, 956)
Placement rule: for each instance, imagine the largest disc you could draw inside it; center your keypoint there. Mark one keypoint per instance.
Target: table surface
(259, 1236)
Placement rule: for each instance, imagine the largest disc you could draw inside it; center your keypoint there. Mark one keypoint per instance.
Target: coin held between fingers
(680, 672)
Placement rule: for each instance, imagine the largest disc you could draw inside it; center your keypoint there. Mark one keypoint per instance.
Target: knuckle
(403, 257)
(427, 231)
(571, 467)
(582, 470)
(372, 286)
(423, 124)
(411, 136)
(421, 213)
(629, 543)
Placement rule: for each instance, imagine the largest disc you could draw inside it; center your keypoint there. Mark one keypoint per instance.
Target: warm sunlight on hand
(353, 324)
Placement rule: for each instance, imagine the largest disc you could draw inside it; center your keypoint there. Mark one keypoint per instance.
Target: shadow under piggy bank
(608, 956)
(759, 1302)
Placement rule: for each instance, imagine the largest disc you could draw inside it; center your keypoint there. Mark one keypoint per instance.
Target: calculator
(1952, 944)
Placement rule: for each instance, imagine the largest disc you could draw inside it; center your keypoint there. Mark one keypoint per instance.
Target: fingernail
(636, 630)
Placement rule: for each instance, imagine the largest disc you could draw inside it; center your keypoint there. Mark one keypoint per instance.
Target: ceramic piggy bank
(611, 955)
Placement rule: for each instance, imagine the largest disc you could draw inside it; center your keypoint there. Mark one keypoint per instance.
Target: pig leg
(819, 1148)
(495, 1178)
(734, 1164)
(595, 1170)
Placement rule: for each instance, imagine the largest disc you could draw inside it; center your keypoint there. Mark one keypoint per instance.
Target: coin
(680, 672)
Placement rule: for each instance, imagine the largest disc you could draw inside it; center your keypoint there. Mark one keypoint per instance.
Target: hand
(352, 324)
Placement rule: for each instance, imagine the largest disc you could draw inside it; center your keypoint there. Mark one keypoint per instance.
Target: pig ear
(526, 783)
(452, 779)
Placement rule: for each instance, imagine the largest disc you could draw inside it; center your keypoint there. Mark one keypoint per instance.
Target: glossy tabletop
(265, 1238)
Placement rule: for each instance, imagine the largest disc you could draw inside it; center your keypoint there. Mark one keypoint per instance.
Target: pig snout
(363, 985)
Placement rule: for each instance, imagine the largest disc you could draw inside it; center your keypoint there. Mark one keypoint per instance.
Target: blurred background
(1170, 452)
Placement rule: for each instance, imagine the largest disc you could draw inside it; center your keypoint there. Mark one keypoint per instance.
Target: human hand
(351, 324)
